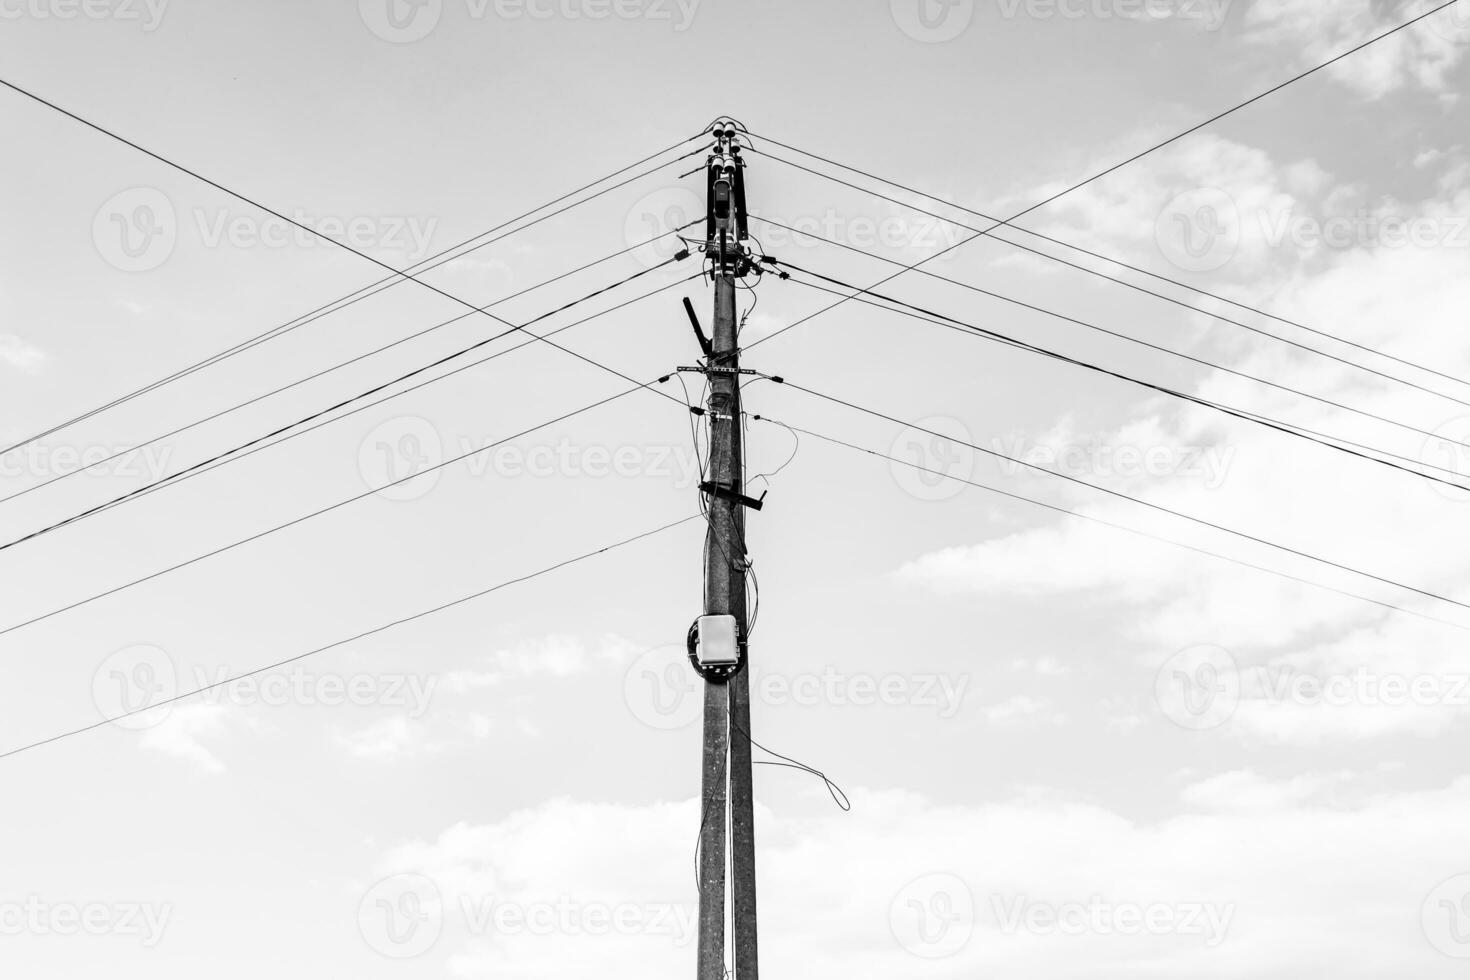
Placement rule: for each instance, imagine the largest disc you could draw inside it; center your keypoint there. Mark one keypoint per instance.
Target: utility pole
(718, 644)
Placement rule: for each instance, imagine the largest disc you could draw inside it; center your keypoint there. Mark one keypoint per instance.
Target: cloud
(1261, 880)
(1421, 56)
(20, 355)
(183, 732)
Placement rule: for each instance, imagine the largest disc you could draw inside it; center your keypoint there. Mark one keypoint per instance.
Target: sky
(1080, 740)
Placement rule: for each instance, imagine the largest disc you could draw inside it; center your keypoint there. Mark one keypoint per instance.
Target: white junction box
(718, 644)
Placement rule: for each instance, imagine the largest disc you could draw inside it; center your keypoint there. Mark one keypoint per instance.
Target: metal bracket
(726, 493)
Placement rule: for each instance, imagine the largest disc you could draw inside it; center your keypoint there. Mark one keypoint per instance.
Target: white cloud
(182, 733)
(20, 355)
(1298, 887)
(1421, 56)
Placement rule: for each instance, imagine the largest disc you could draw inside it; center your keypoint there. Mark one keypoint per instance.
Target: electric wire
(422, 384)
(1123, 163)
(1123, 527)
(514, 328)
(382, 628)
(1160, 508)
(373, 491)
(1113, 261)
(323, 372)
(366, 292)
(1203, 362)
(1102, 275)
(939, 319)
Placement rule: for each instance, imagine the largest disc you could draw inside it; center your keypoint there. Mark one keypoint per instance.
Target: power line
(351, 639)
(1124, 496)
(1203, 362)
(1102, 275)
(368, 291)
(1120, 527)
(335, 367)
(1118, 166)
(118, 501)
(327, 509)
(940, 319)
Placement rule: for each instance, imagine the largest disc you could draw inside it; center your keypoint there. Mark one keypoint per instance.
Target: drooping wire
(838, 796)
